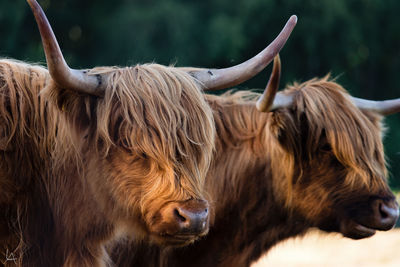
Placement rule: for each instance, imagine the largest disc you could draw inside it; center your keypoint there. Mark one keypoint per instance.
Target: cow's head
(144, 135)
(333, 144)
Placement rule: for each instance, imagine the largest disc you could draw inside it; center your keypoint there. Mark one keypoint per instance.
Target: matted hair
(150, 111)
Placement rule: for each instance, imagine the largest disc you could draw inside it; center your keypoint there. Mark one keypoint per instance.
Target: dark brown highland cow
(314, 160)
(90, 156)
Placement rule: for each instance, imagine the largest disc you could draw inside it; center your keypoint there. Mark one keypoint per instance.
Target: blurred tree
(356, 40)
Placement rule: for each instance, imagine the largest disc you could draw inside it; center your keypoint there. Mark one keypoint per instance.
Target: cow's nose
(191, 221)
(192, 217)
(385, 214)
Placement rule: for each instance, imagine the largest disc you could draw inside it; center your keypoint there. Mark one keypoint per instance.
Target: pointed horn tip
(277, 59)
(36, 9)
(276, 67)
(293, 19)
(32, 2)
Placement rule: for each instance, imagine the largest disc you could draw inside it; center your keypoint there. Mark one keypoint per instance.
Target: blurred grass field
(318, 249)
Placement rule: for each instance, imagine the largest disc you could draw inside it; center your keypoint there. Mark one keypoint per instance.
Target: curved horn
(270, 99)
(385, 107)
(214, 79)
(63, 75)
(265, 102)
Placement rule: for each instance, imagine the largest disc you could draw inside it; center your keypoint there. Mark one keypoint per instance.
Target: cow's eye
(326, 148)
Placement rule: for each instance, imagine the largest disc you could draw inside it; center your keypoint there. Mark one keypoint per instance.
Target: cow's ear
(77, 108)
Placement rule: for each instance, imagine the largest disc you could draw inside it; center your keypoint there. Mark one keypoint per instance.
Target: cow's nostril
(385, 214)
(389, 211)
(382, 211)
(191, 217)
(179, 216)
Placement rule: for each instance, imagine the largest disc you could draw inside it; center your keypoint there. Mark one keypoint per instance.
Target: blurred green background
(356, 40)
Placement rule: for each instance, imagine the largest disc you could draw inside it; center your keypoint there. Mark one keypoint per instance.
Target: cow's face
(158, 199)
(338, 182)
(150, 199)
(147, 145)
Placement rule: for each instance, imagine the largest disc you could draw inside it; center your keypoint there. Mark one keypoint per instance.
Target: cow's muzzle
(182, 222)
(384, 214)
(191, 218)
(380, 215)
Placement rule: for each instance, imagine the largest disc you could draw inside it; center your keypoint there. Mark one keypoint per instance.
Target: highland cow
(90, 156)
(314, 158)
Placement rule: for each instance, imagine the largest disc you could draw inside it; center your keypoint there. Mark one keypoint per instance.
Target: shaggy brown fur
(319, 164)
(79, 171)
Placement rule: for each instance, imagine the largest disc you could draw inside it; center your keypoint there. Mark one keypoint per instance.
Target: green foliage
(357, 40)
